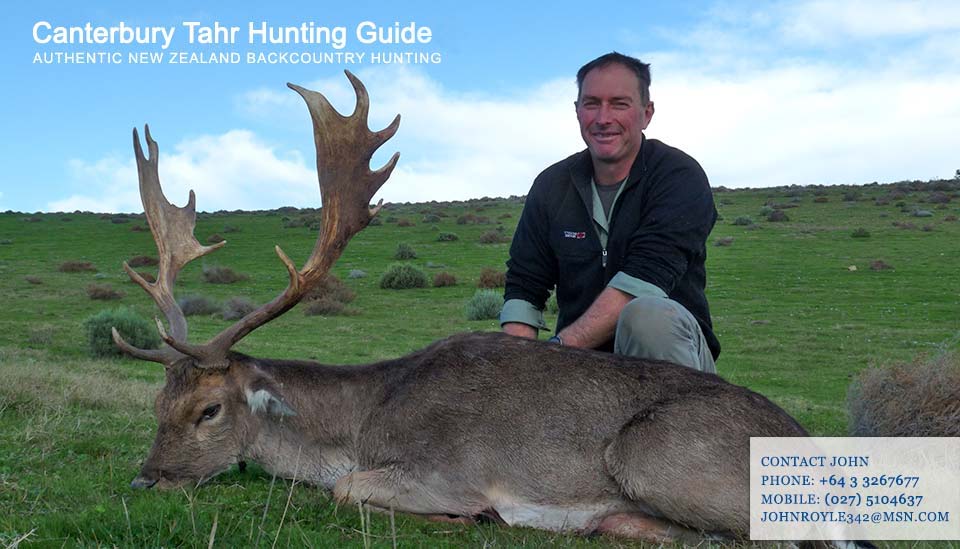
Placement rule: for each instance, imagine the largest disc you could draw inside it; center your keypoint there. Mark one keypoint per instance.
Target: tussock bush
(431, 218)
(467, 219)
(492, 278)
(950, 218)
(922, 213)
(401, 276)
(40, 336)
(880, 265)
(140, 229)
(215, 238)
(327, 306)
(146, 276)
(36, 280)
(916, 399)
(136, 330)
(821, 199)
(143, 261)
(405, 223)
(404, 251)
(743, 221)
(444, 279)
(375, 221)
(777, 216)
(851, 196)
(725, 241)
(766, 210)
(231, 229)
(494, 237)
(77, 267)
(860, 233)
(103, 292)
(357, 273)
(236, 308)
(331, 287)
(119, 220)
(447, 237)
(218, 274)
(192, 305)
(6, 242)
(484, 305)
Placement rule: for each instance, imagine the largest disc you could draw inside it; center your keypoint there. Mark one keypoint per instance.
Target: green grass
(795, 321)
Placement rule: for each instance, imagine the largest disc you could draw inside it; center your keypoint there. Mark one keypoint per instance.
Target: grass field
(796, 305)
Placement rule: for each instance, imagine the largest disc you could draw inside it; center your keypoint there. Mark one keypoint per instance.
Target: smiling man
(619, 231)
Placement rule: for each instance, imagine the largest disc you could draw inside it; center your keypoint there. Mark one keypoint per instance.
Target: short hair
(639, 68)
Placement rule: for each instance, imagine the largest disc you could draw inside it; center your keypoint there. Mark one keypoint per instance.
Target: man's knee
(662, 329)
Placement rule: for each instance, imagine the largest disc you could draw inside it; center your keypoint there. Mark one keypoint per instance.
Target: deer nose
(142, 482)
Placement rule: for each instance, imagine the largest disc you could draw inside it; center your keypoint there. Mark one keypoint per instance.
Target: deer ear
(263, 396)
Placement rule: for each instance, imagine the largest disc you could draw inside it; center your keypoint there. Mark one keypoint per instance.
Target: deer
(477, 426)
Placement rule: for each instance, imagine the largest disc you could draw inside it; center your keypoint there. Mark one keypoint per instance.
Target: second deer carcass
(476, 425)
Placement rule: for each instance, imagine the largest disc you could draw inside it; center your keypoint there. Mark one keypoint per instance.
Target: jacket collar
(582, 172)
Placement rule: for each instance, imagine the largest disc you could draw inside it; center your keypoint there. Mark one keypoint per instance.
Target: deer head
(211, 402)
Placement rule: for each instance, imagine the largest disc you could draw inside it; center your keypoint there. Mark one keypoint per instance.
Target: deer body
(486, 424)
(475, 425)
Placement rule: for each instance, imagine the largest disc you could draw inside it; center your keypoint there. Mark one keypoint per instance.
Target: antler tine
(344, 146)
(172, 229)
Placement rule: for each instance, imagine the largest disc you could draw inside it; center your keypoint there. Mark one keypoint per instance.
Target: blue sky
(761, 93)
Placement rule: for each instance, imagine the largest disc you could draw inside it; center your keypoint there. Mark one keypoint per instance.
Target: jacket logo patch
(575, 235)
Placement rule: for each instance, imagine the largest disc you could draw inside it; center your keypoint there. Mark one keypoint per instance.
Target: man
(620, 230)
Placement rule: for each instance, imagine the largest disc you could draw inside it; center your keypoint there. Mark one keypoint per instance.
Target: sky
(761, 93)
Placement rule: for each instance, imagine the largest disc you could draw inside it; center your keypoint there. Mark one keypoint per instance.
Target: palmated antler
(345, 146)
(172, 230)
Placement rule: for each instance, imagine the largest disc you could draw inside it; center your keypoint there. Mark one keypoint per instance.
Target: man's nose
(604, 114)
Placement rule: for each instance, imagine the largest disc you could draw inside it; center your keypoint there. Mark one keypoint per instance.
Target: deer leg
(679, 461)
(386, 489)
(646, 528)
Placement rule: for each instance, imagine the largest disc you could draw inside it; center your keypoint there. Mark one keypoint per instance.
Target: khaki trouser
(662, 329)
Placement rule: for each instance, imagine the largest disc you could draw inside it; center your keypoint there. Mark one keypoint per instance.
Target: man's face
(612, 114)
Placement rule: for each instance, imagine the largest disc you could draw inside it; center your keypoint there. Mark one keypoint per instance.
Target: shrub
(401, 276)
(777, 216)
(405, 223)
(743, 221)
(494, 237)
(725, 241)
(146, 276)
(332, 288)
(851, 196)
(103, 292)
(77, 267)
(139, 229)
(6, 242)
(821, 199)
(215, 238)
(467, 219)
(938, 197)
(135, 330)
(492, 278)
(327, 306)
(552, 305)
(356, 273)
(431, 218)
(142, 261)
(766, 211)
(860, 233)
(236, 308)
(916, 399)
(375, 221)
(217, 274)
(33, 279)
(192, 305)
(444, 279)
(404, 251)
(922, 213)
(880, 265)
(118, 220)
(231, 229)
(484, 305)
(447, 237)
(950, 218)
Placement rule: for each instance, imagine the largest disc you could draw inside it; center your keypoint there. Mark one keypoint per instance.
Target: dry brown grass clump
(77, 267)
(724, 241)
(916, 399)
(492, 278)
(329, 298)
(143, 261)
(880, 265)
(444, 279)
(216, 274)
(103, 292)
(494, 237)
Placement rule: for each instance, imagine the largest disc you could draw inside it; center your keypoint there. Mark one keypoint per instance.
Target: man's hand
(520, 329)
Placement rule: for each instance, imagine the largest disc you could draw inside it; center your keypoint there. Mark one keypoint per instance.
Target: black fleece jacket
(658, 232)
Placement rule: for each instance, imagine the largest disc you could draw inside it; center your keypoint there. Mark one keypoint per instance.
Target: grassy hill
(853, 277)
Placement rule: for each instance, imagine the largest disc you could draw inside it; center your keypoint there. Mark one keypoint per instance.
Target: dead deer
(476, 425)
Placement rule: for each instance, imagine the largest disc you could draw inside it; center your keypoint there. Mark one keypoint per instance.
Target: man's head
(613, 108)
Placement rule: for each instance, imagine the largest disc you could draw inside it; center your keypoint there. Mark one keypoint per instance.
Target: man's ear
(264, 396)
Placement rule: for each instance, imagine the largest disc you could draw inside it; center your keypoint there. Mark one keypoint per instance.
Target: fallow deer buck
(476, 425)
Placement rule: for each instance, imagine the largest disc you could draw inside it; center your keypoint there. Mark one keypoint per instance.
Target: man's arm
(520, 329)
(598, 324)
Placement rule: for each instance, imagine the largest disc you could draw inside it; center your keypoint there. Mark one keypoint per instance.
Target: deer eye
(210, 412)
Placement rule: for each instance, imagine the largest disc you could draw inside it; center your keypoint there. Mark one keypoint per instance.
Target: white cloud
(234, 170)
(821, 21)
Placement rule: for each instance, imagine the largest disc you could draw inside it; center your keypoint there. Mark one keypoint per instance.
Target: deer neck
(317, 442)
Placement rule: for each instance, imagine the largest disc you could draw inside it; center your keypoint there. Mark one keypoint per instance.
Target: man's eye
(210, 412)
